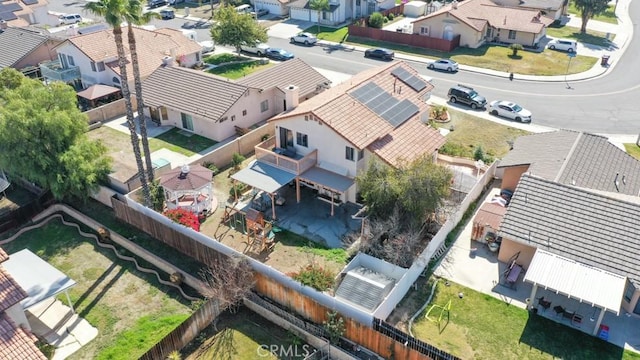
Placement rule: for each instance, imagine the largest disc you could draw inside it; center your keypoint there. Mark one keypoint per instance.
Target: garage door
(299, 14)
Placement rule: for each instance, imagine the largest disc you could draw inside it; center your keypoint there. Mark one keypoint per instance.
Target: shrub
(391, 16)
(334, 326)
(237, 160)
(238, 188)
(211, 166)
(376, 20)
(184, 217)
(478, 153)
(439, 112)
(265, 137)
(315, 276)
(515, 48)
(454, 149)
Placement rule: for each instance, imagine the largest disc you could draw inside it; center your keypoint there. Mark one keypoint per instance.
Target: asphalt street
(606, 104)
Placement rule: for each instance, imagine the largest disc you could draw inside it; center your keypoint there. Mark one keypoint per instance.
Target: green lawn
(240, 336)
(608, 16)
(482, 327)
(218, 59)
(338, 35)
(287, 238)
(471, 132)
(591, 37)
(129, 308)
(238, 70)
(633, 150)
(176, 140)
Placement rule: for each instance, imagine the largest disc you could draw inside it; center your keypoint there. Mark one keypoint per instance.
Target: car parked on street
(443, 64)
(304, 38)
(278, 54)
(70, 19)
(259, 49)
(157, 3)
(167, 14)
(509, 110)
(567, 45)
(379, 53)
(207, 46)
(466, 95)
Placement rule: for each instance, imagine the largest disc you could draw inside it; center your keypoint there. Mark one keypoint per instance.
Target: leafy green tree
(376, 20)
(319, 6)
(588, 9)
(234, 29)
(416, 189)
(134, 15)
(114, 12)
(515, 48)
(43, 137)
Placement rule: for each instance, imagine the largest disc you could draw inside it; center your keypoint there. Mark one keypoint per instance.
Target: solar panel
(401, 73)
(401, 112)
(30, 2)
(367, 92)
(384, 104)
(406, 77)
(6, 16)
(10, 7)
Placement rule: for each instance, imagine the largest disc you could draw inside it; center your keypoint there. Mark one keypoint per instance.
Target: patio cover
(39, 279)
(97, 91)
(327, 179)
(585, 283)
(264, 176)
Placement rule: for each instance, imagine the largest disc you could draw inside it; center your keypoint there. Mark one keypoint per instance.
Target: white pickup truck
(258, 49)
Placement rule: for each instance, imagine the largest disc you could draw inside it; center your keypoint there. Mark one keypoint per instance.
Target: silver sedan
(444, 64)
(509, 110)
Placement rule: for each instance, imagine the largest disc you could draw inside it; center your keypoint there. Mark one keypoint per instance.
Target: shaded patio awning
(97, 91)
(579, 281)
(490, 214)
(39, 279)
(263, 176)
(330, 180)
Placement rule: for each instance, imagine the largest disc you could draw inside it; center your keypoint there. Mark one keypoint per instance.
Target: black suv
(466, 95)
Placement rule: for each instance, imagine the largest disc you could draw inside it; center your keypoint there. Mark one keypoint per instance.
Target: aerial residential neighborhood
(319, 180)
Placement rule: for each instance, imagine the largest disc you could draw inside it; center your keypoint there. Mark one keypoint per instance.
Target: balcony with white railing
(285, 159)
(53, 70)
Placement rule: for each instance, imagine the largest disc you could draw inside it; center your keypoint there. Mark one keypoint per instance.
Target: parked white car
(259, 49)
(207, 46)
(70, 19)
(567, 45)
(509, 110)
(304, 38)
(444, 64)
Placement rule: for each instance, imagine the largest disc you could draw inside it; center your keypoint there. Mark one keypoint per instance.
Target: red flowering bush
(184, 217)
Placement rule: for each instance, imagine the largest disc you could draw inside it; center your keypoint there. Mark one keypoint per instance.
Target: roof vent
(184, 171)
(3, 25)
(167, 61)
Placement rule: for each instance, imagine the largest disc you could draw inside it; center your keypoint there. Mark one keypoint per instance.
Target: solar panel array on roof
(10, 7)
(384, 104)
(406, 77)
(8, 15)
(30, 2)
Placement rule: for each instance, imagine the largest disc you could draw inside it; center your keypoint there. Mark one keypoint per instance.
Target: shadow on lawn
(563, 342)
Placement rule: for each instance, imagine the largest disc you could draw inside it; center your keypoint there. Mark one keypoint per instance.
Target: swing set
(443, 311)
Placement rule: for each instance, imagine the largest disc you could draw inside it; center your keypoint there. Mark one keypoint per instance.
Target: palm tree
(135, 16)
(113, 12)
(319, 6)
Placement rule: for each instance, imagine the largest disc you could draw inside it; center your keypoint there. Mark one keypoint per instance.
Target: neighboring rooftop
(579, 159)
(191, 91)
(358, 110)
(16, 44)
(17, 343)
(365, 288)
(293, 72)
(585, 226)
(10, 292)
(477, 13)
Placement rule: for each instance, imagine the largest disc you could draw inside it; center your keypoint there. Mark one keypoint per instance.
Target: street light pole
(571, 56)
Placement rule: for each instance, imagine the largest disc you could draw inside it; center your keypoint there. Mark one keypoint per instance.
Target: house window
(512, 34)
(349, 153)
(187, 121)
(302, 139)
(93, 67)
(264, 106)
(244, 112)
(424, 31)
(197, 56)
(233, 118)
(101, 66)
(628, 291)
(360, 155)
(488, 33)
(63, 61)
(71, 61)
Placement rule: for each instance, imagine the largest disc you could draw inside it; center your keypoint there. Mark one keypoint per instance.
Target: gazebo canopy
(39, 279)
(187, 178)
(97, 91)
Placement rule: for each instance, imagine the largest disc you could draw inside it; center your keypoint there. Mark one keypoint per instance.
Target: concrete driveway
(286, 29)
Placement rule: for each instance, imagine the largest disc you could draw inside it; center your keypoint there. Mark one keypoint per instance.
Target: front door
(286, 138)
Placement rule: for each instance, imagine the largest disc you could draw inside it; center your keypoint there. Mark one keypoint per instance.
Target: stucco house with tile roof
(92, 58)
(24, 49)
(213, 106)
(549, 8)
(325, 141)
(339, 10)
(20, 13)
(481, 21)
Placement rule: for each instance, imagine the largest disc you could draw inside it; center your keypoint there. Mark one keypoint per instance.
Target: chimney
(454, 4)
(167, 61)
(291, 97)
(3, 25)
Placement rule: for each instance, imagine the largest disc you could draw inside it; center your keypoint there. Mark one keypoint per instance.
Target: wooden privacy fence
(166, 234)
(185, 332)
(415, 40)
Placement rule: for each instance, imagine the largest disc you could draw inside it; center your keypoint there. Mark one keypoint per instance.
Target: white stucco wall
(16, 313)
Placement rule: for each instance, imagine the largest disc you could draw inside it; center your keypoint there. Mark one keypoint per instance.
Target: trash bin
(605, 60)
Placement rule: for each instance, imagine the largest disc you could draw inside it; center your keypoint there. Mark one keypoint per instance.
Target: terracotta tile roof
(3, 256)
(293, 72)
(362, 127)
(490, 214)
(18, 44)
(10, 292)
(197, 177)
(152, 47)
(17, 343)
(192, 91)
(476, 13)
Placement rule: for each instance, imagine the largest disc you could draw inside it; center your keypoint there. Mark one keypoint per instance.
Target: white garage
(275, 7)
